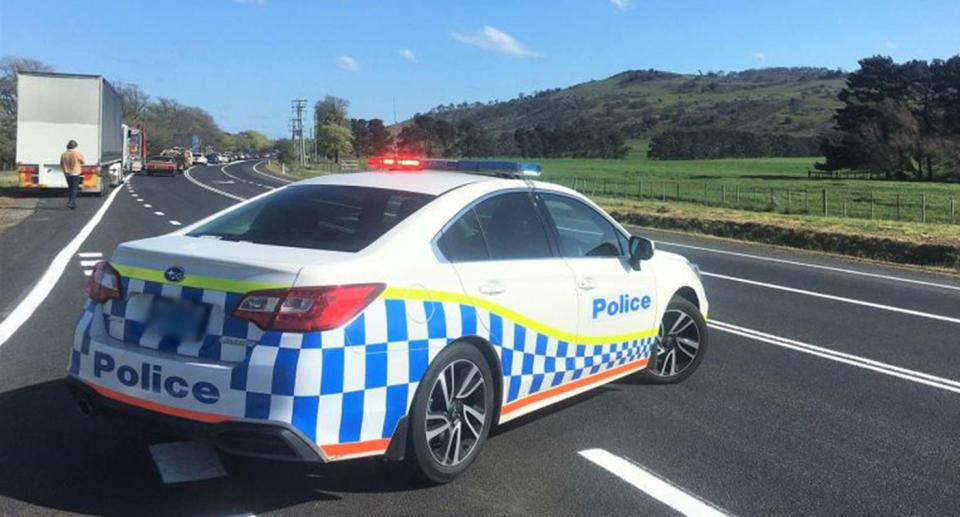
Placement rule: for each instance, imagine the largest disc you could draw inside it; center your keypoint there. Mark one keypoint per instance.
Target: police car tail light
(306, 308)
(104, 283)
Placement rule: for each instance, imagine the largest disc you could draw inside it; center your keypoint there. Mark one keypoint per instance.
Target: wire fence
(927, 207)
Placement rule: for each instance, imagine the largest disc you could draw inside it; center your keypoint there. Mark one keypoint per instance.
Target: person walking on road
(71, 160)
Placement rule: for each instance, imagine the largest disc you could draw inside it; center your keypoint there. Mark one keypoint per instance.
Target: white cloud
(408, 55)
(759, 56)
(491, 38)
(258, 3)
(348, 63)
(622, 5)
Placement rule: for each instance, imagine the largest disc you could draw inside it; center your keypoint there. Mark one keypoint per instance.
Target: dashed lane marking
(193, 180)
(181, 462)
(651, 484)
(22, 312)
(175, 223)
(89, 254)
(158, 213)
(147, 205)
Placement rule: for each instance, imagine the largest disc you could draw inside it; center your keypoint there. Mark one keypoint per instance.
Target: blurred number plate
(178, 318)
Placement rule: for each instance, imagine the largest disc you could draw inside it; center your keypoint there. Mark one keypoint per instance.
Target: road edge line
(39, 292)
(271, 176)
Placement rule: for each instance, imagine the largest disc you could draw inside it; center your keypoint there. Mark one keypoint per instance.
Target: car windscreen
(325, 217)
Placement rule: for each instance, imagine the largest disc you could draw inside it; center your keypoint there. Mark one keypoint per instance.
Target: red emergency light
(396, 163)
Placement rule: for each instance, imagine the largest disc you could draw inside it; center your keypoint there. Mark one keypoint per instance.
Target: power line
(296, 128)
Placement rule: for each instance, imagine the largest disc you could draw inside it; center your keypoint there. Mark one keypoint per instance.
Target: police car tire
(688, 308)
(422, 459)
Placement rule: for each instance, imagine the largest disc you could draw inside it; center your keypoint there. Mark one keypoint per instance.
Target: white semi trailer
(53, 109)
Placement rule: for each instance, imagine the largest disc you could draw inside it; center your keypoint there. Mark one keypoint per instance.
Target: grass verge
(936, 245)
(296, 172)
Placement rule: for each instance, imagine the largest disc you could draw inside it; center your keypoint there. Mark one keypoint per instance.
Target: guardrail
(929, 207)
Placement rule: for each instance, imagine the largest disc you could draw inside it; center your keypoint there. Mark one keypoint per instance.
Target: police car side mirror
(640, 249)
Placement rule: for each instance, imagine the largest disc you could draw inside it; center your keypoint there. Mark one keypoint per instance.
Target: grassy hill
(793, 101)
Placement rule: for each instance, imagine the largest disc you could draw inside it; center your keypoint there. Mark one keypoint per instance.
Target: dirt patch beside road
(15, 209)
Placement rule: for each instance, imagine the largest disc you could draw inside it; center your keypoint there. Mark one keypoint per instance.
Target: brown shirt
(71, 161)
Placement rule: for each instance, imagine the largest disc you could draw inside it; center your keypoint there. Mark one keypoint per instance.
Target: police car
(400, 313)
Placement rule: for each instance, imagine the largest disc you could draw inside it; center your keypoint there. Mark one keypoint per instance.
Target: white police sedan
(400, 313)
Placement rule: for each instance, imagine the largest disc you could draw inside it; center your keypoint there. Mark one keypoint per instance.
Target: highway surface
(831, 387)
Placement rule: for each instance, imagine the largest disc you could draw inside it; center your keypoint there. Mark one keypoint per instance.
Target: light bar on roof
(514, 169)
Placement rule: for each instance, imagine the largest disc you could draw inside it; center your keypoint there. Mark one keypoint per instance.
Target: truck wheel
(452, 413)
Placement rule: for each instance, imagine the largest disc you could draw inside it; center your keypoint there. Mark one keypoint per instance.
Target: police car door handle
(492, 287)
(586, 283)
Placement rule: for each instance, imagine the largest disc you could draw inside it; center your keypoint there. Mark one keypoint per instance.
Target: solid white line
(208, 187)
(854, 301)
(89, 254)
(224, 170)
(815, 266)
(158, 213)
(175, 223)
(650, 483)
(841, 357)
(50, 277)
(88, 263)
(264, 174)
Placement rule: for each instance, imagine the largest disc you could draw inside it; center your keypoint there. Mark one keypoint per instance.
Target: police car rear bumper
(258, 438)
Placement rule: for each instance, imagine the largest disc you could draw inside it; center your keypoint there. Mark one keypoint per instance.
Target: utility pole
(296, 128)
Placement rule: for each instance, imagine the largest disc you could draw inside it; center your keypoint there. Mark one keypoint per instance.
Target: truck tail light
(104, 283)
(89, 170)
(303, 309)
(29, 174)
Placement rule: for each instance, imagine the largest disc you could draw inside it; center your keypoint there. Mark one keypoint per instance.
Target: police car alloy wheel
(453, 413)
(681, 343)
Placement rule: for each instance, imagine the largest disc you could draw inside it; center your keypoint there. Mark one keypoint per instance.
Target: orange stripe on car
(579, 383)
(349, 449)
(199, 416)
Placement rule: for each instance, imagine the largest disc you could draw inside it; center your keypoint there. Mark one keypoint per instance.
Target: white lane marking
(650, 483)
(841, 357)
(49, 279)
(224, 170)
(223, 182)
(191, 179)
(88, 263)
(89, 254)
(815, 266)
(147, 205)
(854, 301)
(87, 272)
(175, 223)
(180, 462)
(158, 213)
(138, 200)
(264, 174)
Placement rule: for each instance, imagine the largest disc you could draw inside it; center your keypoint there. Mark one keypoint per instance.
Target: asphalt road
(831, 387)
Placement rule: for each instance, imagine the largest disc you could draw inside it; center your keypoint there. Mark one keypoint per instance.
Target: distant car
(199, 159)
(162, 165)
(213, 159)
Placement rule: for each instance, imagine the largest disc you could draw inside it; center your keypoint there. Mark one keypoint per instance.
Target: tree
(286, 150)
(334, 141)
(134, 100)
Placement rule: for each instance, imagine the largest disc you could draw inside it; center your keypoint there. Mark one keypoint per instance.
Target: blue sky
(244, 60)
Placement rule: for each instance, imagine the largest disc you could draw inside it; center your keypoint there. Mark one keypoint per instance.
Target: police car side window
(463, 240)
(582, 231)
(512, 227)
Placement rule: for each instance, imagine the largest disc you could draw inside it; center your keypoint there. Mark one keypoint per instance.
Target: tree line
(725, 143)
(899, 119)
(167, 122)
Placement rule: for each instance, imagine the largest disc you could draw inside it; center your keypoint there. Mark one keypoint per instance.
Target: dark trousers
(73, 184)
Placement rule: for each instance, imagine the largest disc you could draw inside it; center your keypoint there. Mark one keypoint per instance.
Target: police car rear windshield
(324, 217)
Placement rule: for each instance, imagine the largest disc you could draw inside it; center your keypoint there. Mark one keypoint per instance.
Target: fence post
(871, 204)
(640, 190)
(843, 206)
(723, 194)
(678, 191)
(953, 210)
(705, 193)
(773, 201)
(788, 201)
(923, 208)
(738, 195)
(806, 200)
(898, 207)
(663, 196)
(824, 202)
